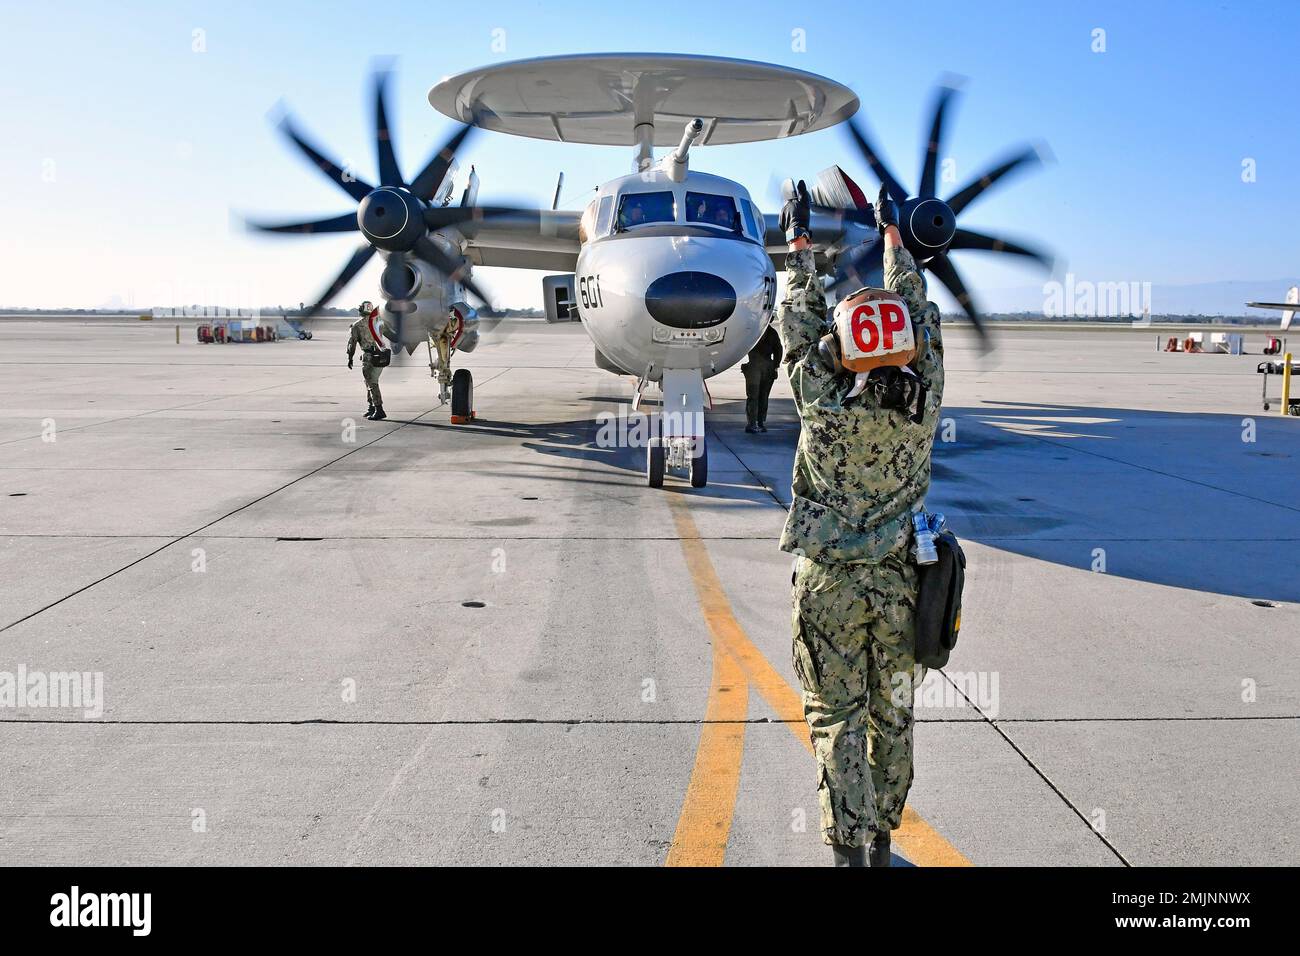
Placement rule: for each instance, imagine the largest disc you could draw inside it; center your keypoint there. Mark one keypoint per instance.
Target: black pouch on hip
(938, 603)
(381, 358)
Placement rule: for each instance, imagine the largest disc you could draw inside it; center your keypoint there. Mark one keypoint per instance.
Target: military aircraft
(671, 271)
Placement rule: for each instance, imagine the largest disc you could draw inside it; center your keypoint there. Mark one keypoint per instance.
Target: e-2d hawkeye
(672, 271)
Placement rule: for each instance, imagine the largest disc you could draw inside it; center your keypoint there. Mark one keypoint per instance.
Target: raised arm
(903, 278)
(801, 319)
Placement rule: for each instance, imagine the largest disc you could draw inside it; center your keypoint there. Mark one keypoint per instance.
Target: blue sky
(126, 151)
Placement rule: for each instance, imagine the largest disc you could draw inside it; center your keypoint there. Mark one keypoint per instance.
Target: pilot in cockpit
(631, 214)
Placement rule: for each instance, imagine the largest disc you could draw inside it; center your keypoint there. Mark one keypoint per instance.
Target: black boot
(379, 415)
(762, 426)
(880, 852)
(370, 410)
(751, 428)
(849, 855)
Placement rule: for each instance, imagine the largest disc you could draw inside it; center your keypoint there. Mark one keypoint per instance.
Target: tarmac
(328, 641)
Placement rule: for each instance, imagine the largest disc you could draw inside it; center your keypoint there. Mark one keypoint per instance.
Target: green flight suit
(360, 335)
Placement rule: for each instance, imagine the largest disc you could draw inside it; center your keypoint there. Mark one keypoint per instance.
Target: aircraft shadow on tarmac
(1192, 500)
(584, 440)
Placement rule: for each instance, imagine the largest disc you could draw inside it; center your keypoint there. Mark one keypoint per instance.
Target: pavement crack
(200, 529)
(1038, 770)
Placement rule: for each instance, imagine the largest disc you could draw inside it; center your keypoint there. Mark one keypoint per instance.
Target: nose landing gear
(678, 442)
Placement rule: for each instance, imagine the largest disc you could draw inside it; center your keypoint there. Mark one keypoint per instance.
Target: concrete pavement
(337, 642)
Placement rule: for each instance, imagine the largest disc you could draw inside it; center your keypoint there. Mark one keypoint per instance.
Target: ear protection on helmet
(828, 349)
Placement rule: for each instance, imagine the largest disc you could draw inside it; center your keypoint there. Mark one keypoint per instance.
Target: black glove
(796, 212)
(886, 210)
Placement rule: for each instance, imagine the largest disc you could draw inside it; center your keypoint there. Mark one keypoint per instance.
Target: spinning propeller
(395, 216)
(929, 224)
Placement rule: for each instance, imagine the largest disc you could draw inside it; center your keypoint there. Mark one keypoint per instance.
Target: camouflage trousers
(853, 644)
(371, 375)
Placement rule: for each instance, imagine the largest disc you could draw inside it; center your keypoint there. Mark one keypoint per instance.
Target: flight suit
(860, 470)
(360, 335)
(760, 376)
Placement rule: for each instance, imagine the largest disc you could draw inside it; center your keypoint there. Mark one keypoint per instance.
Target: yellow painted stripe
(705, 820)
(915, 839)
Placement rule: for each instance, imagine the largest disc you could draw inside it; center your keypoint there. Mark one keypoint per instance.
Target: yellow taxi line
(705, 821)
(915, 839)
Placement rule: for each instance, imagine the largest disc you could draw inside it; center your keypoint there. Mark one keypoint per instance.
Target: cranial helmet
(873, 329)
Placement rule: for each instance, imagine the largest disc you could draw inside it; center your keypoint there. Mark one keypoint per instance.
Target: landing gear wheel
(309, 335)
(699, 466)
(462, 396)
(654, 463)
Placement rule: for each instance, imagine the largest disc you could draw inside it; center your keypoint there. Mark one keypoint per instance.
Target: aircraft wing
(522, 238)
(1289, 307)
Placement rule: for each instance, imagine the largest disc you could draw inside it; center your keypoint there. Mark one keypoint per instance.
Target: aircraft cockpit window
(604, 214)
(712, 210)
(752, 219)
(639, 209)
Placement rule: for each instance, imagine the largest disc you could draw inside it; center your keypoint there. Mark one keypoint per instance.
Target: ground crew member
(760, 375)
(862, 466)
(365, 333)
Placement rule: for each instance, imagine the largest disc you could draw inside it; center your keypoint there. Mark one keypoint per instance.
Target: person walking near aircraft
(365, 333)
(760, 375)
(862, 469)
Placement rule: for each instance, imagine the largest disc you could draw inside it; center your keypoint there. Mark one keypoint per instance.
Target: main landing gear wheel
(699, 464)
(462, 397)
(654, 463)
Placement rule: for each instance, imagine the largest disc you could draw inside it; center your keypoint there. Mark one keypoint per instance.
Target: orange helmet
(874, 329)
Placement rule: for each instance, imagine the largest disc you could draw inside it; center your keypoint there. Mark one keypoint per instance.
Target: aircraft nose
(690, 300)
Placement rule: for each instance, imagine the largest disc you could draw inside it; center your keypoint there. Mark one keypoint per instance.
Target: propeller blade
(969, 239)
(355, 264)
(440, 217)
(454, 271)
(345, 181)
(859, 134)
(344, 223)
(946, 273)
(430, 178)
(396, 340)
(389, 173)
(857, 271)
(931, 161)
(522, 219)
(863, 217)
(1021, 161)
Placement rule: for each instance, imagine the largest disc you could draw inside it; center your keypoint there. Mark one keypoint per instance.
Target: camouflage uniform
(859, 472)
(360, 335)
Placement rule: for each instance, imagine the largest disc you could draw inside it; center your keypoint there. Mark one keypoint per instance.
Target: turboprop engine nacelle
(409, 279)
